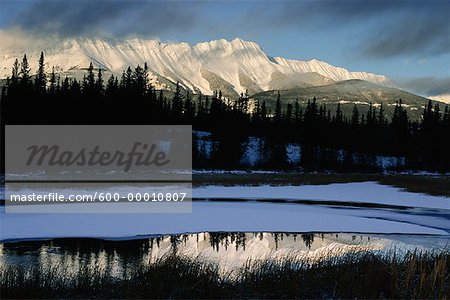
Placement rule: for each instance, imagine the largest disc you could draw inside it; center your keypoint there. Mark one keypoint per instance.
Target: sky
(408, 41)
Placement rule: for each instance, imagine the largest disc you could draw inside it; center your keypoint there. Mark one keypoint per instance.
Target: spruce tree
(99, 83)
(297, 116)
(15, 73)
(381, 117)
(288, 116)
(263, 111)
(89, 81)
(339, 118)
(355, 116)
(177, 102)
(278, 109)
(52, 87)
(25, 70)
(41, 78)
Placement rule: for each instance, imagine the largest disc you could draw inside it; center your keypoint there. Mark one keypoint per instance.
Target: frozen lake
(365, 207)
(230, 225)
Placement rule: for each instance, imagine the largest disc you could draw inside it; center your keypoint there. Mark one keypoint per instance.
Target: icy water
(250, 224)
(230, 250)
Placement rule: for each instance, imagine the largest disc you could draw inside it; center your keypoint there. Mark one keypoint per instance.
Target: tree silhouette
(328, 140)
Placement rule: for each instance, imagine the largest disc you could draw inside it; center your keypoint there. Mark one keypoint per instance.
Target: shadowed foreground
(357, 275)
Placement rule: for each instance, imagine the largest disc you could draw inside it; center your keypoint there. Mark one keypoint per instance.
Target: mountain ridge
(240, 65)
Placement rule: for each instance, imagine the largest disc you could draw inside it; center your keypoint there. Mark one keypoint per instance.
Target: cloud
(428, 86)
(336, 13)
(91, 18)
(423, 33)
(378, 29)
(373, 28)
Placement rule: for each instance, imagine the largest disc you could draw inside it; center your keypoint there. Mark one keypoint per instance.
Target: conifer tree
(277, 118)
(263, 111)
(24, 72)
(288, 116)
(355, 116)
(177, 101)
(89, 81)
(189, 108)
(297, 116)
(339, 118)
(52, 87)
(99, 83)
(41, 78)
(15, 73)
(381, 117)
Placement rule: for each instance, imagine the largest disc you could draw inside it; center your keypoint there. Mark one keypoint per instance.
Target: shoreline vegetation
(432, 185)
(355, 275)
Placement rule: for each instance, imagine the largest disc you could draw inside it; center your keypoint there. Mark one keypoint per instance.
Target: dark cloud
(81, 18)
(332, 13)
(428, 86)
(420, 34)
(377, 28)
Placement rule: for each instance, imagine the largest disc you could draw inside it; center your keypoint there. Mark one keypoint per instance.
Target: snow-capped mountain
(232, 66)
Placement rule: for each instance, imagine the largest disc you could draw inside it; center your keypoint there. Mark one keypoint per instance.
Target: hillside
(347, 93)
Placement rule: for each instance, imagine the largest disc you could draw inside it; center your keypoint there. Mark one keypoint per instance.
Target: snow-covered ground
(211, 216)
(425, 215)
(361, 192)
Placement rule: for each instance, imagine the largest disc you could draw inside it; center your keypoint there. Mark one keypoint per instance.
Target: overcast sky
(409, 41)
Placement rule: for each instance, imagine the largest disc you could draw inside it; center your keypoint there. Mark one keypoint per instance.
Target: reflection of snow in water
(230, 250)
(231, 253)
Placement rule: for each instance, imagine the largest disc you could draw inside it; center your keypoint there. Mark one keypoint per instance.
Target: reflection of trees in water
(135, 248)
(261, 236)
(217, 239)
(275, 236)
(175, 240)
(120, 257)
(226, 238)
(308, 239)
(156, 240)
(128, 251)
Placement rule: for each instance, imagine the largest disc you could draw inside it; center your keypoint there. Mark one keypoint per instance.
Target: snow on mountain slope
(442, 98)
(240, 65)
(332, 72)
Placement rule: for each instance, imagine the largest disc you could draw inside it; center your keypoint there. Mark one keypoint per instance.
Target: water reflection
(230, 250)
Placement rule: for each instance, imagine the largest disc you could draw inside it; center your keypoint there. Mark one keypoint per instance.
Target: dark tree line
(43, 98)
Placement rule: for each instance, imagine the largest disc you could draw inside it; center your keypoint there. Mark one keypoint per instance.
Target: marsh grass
(356, 275)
